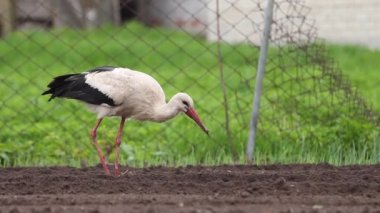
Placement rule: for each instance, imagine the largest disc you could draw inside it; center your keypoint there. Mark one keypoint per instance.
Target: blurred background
(320, 101)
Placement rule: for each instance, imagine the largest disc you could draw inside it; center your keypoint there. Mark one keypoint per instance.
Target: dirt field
(274, 188)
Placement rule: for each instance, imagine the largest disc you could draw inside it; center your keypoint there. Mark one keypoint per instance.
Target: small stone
(245, 194)
(316, 207)
(280, 181)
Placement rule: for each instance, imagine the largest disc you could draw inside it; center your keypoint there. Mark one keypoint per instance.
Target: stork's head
(186, 105)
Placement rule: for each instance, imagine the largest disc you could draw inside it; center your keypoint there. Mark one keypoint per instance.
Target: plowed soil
(196, 189)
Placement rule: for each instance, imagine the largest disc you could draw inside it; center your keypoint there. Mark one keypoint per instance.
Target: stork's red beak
(194, 115)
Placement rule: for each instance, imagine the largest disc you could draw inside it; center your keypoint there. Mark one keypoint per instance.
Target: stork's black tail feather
(74, 86)
(60, 85)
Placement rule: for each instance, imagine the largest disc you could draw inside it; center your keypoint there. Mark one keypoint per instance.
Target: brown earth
(195, 189)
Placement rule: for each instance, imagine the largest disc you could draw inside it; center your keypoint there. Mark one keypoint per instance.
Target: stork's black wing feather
(102, 69)
(74, 86)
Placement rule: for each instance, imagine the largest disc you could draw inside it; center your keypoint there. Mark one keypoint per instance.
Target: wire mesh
(191, 46)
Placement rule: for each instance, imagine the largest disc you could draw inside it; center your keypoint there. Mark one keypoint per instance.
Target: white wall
(347, 21)
(199, 17)
(239, 21)
(336, 21)
(189, 15)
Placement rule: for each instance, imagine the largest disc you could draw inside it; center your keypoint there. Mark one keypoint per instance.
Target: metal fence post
(259, 80)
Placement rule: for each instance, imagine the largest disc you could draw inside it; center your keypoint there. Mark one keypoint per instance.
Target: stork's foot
(117, 172)
(104, 164)
(106, 170)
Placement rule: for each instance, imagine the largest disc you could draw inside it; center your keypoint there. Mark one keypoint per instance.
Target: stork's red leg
(117, 145)
(94, 141)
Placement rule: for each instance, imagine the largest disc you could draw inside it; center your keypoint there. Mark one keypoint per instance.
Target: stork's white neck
(166, 111)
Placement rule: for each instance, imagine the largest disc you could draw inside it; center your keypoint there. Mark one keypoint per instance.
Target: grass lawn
(37, 132)
(361, 65)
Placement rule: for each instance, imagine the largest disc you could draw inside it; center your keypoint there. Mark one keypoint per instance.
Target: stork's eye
(186, 104)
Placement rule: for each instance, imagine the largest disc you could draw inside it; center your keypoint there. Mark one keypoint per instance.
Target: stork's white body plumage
(140, 98)
(123, 92)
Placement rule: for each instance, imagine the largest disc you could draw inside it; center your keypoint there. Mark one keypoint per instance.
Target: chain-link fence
(208, 49)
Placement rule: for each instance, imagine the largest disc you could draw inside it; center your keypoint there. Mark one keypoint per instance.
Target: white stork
(111, 91)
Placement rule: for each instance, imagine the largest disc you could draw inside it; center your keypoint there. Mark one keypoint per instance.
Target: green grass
(37, 132)
(361, 65)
